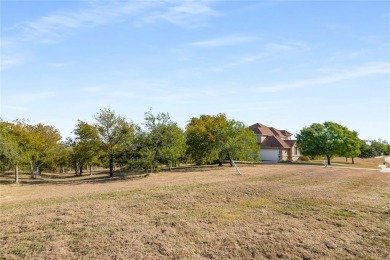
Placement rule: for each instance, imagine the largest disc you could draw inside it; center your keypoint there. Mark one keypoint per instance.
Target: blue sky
(285, 64)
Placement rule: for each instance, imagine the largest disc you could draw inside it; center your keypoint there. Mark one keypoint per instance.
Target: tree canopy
(211, 138)
(115, 133)
(328, 139)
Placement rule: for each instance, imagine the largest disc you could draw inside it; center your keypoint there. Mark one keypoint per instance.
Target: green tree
(328, 139)
(351, 145)
(240, 142)
(378, 147)
(211, 138)
(115, 134)
(87, 145)
(43, 140)
(164, 141)
(10, 150)
(63, 156)
(35, 144)
(366, 150)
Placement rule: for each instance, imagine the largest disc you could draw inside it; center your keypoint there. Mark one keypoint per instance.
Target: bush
(303, 158)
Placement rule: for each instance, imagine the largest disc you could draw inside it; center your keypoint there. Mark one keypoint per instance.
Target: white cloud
(9, 61)
(268, 50)
(9, 55)
(52, 26)
(17, 108)
(224, 41)
(279, 47)
(55, 26)
(184, 13)
(352, 73)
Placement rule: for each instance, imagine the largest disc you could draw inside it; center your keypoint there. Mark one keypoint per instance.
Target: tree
(87, 145)
(240, 142)
(379, 147)
(63, 156)
(42, 141)
(25, 143)
(114, 132)
(351, 145)
(366, 150)
(212, 138)
(327, 139)
(10, 152)
(163, 141)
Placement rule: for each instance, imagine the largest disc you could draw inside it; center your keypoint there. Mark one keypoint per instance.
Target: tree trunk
(219, 163)
(111, 165)
(31, 170)
(230, 159)
(17, 173)
(76, 169)
(90, 169)
(353, 160)
(328, 157)
(81, 169)
(346, 159)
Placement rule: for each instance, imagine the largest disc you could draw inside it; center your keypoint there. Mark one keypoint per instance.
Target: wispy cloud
(57, 25)
(22, 102)
(268, 50)
(9, 61)
(17, 108)
(352, 73)
(54, 26)
(184, 13)
(224, 41)
(9, 55)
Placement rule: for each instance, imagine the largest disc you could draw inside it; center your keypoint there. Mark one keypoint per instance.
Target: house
(276, 145)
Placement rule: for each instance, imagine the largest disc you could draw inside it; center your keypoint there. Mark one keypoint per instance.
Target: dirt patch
(270, 211)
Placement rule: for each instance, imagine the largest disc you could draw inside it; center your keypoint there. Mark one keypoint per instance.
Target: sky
(282, 63)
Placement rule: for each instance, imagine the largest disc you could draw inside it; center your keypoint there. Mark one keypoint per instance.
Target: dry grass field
(359, 162)
(268, 212)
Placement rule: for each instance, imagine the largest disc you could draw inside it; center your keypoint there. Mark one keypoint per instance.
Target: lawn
(268, 212)
(359, 162)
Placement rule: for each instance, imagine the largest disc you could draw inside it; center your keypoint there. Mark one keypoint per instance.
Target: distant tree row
(372, 148)
(112, 141)
(331, 139)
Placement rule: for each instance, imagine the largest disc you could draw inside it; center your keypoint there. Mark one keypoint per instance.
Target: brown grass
(269, 212)
(359, 162)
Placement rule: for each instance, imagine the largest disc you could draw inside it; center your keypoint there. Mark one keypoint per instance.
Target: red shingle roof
(273, 136)
(274, 142)
(285, 133)
(260, 129)
(290, 142)
(276, 132)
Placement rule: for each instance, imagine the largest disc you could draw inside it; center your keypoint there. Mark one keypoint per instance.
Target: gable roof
(285, 133)
(274, 142)
(261, 129)
(274, 137)
(290, 143)
(276, 132)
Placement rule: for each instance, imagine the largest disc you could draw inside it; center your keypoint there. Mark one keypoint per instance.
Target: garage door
(269, 155)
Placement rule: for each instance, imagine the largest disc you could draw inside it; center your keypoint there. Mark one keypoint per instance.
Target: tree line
(112, 141)
(331, 139)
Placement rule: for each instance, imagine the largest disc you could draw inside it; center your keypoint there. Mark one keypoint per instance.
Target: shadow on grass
(101, 177)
